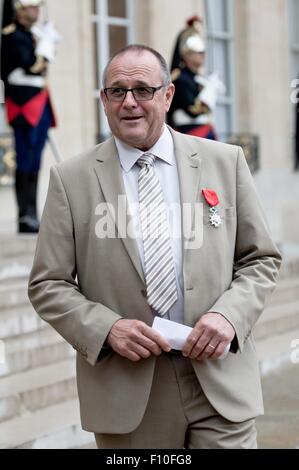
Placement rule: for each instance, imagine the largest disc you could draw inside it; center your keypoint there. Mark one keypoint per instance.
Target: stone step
(16, 245)
(277, 319)
(71, 438)
(55, 427)
(92, 445)
(15, 269)
(14, 294)
(58, 426)
(37, 389)
(287, 290)
(289, 270)
(35, 349)
(19, 321)
(278, 351)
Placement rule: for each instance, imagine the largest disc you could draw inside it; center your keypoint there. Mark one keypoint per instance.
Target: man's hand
(135, 340)
(209, 338)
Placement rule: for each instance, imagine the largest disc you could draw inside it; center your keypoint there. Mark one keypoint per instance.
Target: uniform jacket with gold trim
(186, 99)
(24, 103)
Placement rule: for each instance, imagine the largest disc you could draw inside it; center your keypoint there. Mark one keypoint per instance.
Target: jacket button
(143, 292)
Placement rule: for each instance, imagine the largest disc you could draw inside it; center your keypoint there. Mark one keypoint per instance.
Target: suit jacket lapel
(108, 171)
(189, 169)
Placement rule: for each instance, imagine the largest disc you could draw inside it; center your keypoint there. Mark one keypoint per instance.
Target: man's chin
(133, 137)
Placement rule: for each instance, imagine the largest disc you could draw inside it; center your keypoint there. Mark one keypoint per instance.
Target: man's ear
(103, 98)
(169, 95)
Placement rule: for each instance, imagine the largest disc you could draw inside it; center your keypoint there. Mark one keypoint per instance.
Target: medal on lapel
(213, 201)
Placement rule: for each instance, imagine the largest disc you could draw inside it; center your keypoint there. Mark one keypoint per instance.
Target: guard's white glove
(47, 37)
(216, 81)
(201, 80)
(213, 88)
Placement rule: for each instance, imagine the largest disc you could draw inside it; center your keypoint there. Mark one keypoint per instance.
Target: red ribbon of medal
(211, 197)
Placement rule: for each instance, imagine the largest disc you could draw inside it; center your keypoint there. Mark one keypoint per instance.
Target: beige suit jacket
(82, 284)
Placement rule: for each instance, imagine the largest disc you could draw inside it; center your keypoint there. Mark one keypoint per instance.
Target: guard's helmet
(192, 43)
(191, 38)
(26, 3)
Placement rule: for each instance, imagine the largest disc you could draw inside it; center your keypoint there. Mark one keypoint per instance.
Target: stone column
(262, 69)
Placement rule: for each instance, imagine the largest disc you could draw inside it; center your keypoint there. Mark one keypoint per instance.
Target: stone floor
(279, 427)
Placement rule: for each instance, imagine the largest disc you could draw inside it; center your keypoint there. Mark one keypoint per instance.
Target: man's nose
(129, 100)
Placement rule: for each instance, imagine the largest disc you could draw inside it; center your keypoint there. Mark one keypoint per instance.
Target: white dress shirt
(167, 172)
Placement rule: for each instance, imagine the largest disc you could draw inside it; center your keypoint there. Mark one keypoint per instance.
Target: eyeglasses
(141, 93)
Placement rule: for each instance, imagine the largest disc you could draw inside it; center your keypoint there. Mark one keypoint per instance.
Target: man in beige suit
(93, 280)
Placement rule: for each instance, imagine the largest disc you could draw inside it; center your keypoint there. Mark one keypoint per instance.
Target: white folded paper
(176, 334)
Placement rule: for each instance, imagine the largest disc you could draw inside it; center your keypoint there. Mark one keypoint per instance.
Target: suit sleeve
(257, 260)
(53, 289)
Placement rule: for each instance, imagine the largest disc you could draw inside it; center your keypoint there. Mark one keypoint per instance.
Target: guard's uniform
(195, 96)
(29, 112)
(188, 114)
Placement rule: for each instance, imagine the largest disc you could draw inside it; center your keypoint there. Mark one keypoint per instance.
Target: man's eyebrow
(137, 84)
(142, 83)
(116, 85)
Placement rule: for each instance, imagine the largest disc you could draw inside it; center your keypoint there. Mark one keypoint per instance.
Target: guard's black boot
(26, 193)
(32, 199)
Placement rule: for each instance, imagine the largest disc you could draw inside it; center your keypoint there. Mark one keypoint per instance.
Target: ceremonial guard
(196, 95)
(25, 54)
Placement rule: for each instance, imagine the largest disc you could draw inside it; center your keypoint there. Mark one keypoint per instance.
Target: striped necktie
(159, 263)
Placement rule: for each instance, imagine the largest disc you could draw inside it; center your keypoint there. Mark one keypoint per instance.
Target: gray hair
(166, 77)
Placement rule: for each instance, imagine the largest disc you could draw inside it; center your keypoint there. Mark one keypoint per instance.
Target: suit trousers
(178, 415)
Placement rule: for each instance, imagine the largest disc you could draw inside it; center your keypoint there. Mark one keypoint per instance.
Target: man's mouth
(131, 118)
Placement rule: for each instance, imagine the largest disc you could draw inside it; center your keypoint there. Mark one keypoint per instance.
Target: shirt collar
(163, 149)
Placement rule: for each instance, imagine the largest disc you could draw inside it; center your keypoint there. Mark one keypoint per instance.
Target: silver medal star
(215, 218)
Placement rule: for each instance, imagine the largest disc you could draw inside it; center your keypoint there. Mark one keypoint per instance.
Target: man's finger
(210, 353)
(150, 345)
(132, 356)
(140, 351)
(219, 351)
(157, 338)
(203, 345)
(191, 342)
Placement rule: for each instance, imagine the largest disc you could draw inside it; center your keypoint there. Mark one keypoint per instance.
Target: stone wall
(263, 82)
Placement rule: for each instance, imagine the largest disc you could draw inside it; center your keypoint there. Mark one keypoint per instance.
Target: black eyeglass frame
(153, 89)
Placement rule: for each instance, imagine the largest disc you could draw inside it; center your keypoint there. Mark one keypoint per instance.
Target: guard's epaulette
(175, 74)
(9, 29)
